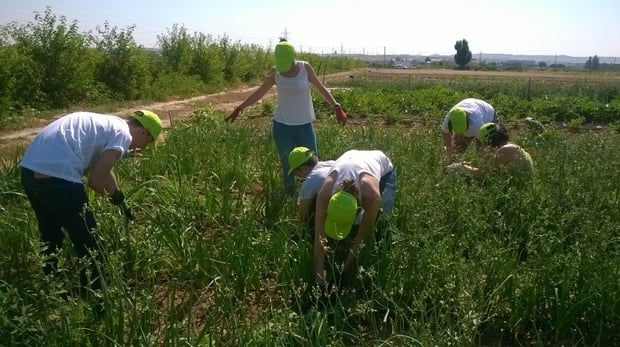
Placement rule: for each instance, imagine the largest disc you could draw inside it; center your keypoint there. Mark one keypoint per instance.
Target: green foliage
(124, 67)
(592, 63)
(48, 64)
(212, 259)
(418, 98)
(463, 54)
(55, 64)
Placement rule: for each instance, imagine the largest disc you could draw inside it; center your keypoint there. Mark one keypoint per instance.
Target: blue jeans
(59, 204)
(286, 138)
(387, 186)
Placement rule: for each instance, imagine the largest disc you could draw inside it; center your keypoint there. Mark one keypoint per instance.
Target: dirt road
(169, 110)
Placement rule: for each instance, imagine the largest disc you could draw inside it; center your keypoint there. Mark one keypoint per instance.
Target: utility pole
(285, 34)
(384, 56)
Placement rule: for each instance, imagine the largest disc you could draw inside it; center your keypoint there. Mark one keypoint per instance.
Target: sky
(579, 28)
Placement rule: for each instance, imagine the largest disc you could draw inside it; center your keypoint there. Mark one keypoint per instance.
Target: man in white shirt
(462, 124)
(52, 169)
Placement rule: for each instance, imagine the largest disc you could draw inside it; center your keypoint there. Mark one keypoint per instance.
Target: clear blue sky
(564, 27)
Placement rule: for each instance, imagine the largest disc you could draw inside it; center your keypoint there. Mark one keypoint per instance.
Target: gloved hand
(126, 211)
(233, 115)
(454, 168)
(341, 116)
(117, 198)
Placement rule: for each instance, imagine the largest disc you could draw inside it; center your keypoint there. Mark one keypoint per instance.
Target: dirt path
(168, 111)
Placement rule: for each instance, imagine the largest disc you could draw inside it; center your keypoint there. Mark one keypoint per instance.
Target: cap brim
(337, 231)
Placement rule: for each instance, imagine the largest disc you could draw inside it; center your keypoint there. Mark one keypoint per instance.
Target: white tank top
(294, 99)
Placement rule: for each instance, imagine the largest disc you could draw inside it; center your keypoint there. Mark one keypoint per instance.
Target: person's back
(70, 144)
(516, 162)
(351, 164)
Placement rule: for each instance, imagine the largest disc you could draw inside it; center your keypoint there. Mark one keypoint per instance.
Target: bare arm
(322, 200)
(327, 96)
(371, 202)
(258, 94)
(303, 210)
(101, 178)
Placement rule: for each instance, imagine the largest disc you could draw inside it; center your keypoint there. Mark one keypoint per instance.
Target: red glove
(341, 117)
(233, 115)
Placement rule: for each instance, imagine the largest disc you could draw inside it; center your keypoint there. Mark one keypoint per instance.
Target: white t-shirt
(294, 105)
(314, 181)
(352, 163)
(71, 144)
(478, 111)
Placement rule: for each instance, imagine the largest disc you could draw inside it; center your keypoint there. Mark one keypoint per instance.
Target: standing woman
(294, 114)
(360, 184)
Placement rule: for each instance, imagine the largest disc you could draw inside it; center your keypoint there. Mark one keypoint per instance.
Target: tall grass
(216, 258)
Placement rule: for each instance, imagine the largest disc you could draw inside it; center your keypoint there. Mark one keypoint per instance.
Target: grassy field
(215, 256)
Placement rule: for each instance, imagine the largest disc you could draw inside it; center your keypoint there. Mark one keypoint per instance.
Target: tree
(592, 63)
(542, 64)
(55, 64)
(124, 67)
(463, 54)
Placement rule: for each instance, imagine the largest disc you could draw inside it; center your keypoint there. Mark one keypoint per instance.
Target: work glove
(233, 115)
(341, 116)
(118, 199)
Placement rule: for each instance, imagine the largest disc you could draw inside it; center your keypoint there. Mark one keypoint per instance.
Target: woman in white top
(360, 184)
(294, 114)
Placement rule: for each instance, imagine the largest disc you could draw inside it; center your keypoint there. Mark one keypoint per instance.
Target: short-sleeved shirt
(314, 181)
(478, 112)
(70, 145)
(351, 164)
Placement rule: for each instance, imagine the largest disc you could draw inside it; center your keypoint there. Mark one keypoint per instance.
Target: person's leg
(50, 231)
(305, 136)
(387, 187)
(284, 137)
(79, 221)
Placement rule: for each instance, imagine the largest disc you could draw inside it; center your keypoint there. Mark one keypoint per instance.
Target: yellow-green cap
(341, 213)
(297, 157)
(149, 120)
(458, 119)
(485, 130)
(285, 56)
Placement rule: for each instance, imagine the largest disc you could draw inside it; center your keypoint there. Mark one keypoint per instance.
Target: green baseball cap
(458, 119)
(149, 120)
(486, 130)
(297, 157)
(341, 213)
(285, 56)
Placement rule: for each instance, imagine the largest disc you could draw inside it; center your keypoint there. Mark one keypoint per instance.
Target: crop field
(216, 257)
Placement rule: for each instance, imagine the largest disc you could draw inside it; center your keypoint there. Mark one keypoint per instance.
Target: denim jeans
(387, 186)
(286, 138)
(59, 204)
